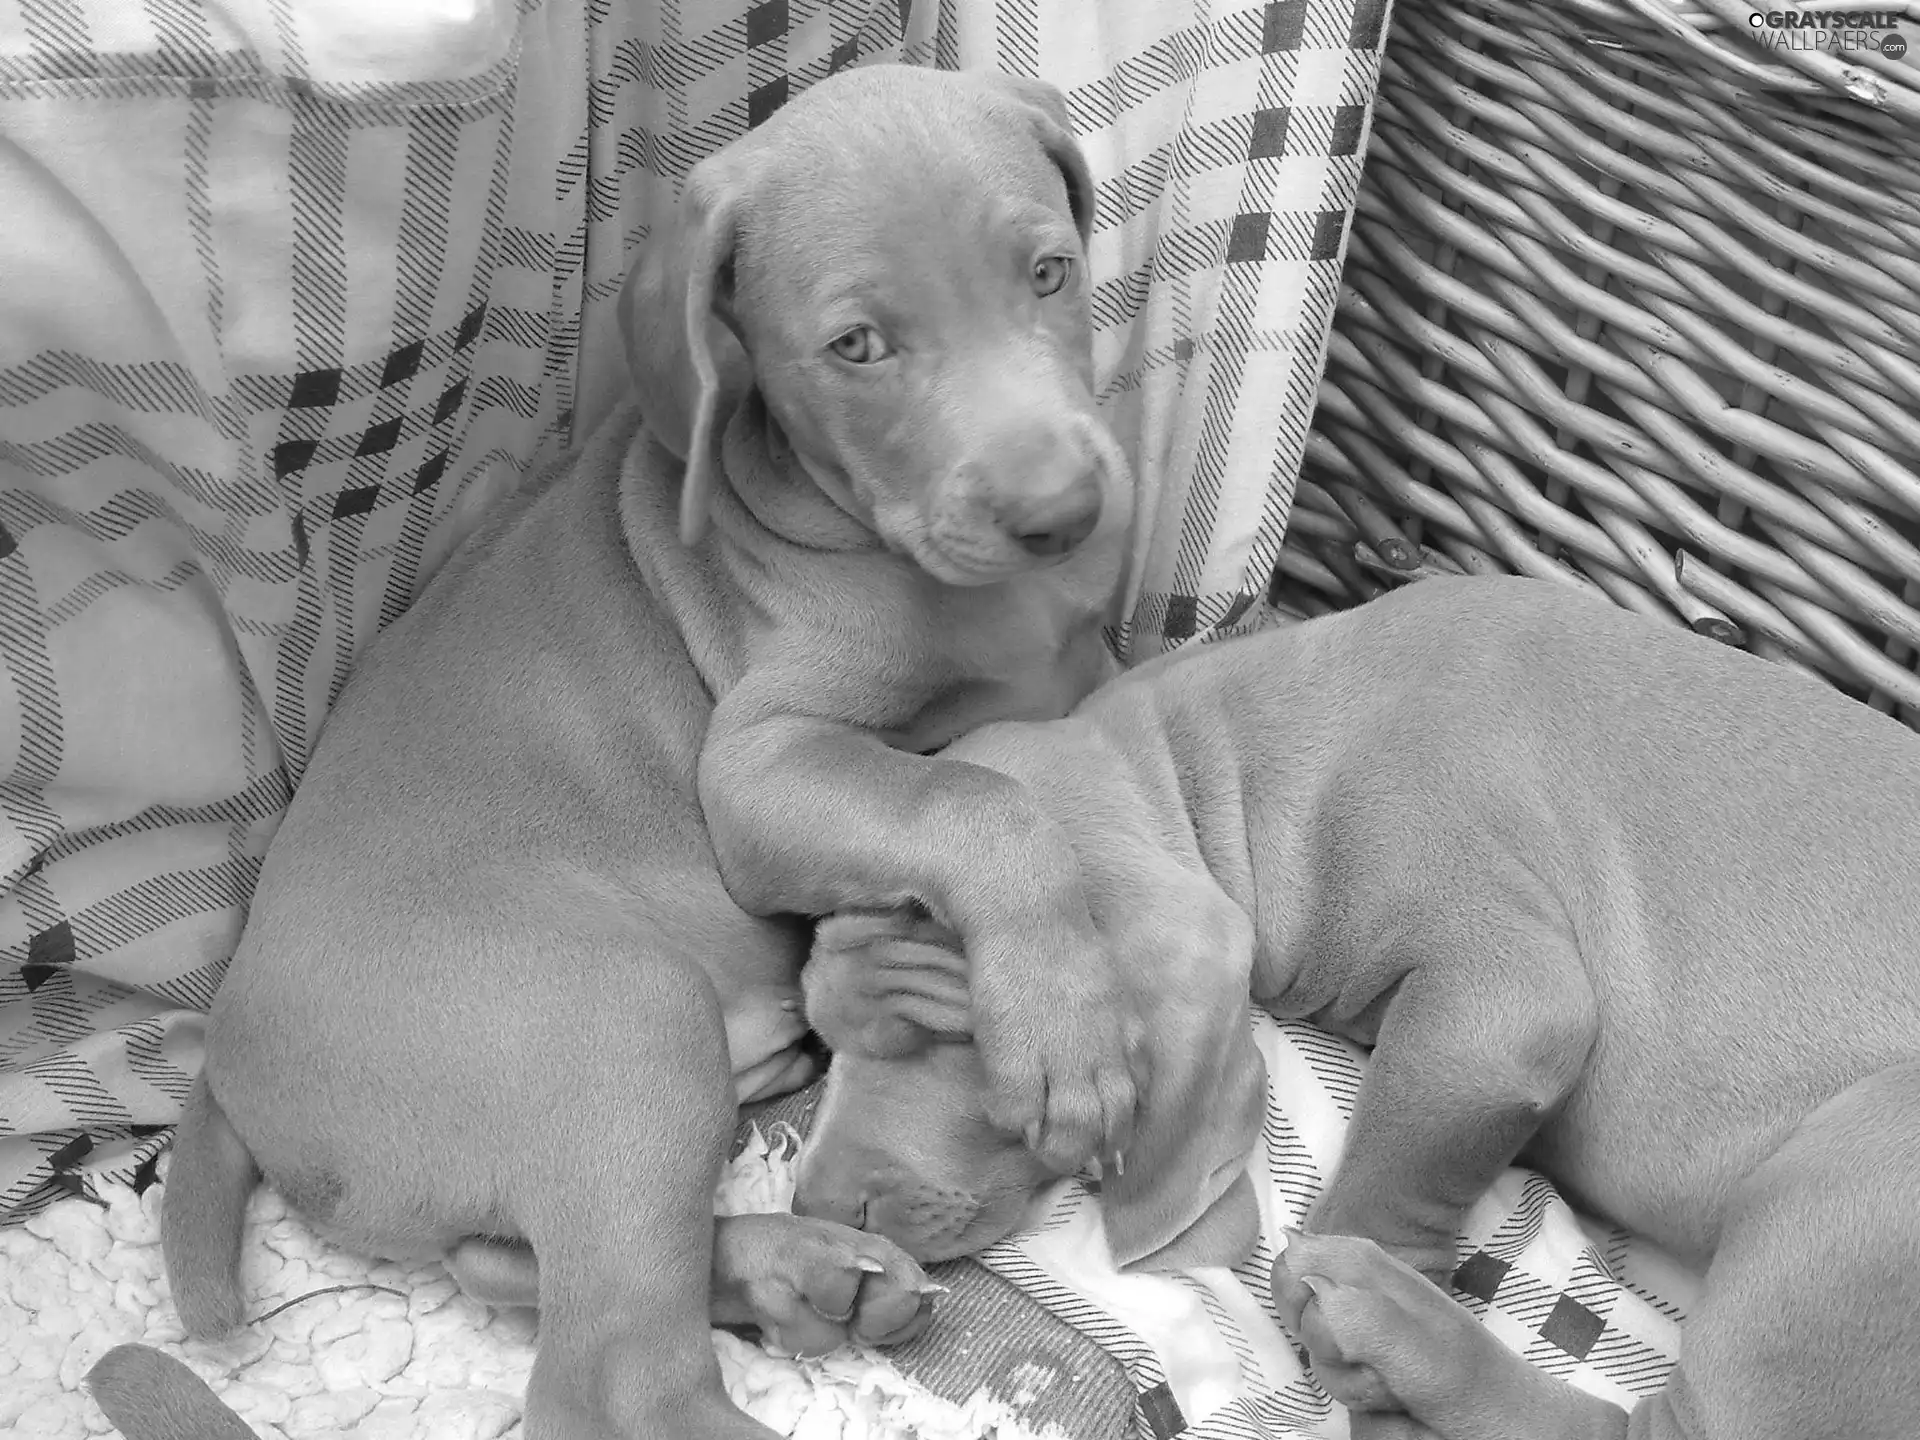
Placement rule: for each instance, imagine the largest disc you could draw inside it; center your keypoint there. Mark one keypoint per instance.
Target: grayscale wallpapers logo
(1835, 31)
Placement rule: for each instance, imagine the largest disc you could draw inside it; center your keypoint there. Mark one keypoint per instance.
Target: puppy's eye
(861, 345)
(1050, 272)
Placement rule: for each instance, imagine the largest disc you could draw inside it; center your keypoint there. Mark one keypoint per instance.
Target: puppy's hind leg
(1809, 1325)
(1408, 1362)
(623, 1126)
(1807, 1328)
(1487, 1034)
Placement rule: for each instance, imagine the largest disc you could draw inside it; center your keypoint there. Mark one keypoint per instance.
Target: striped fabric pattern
(294, 291)
(280, 319)
(1201, 1349)
(1045, 1323)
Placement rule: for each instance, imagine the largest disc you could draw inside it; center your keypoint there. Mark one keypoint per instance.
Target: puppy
(526, 935)
(1609, 897)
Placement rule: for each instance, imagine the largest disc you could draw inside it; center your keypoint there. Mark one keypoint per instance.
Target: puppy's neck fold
(748, 574)
(778, 493)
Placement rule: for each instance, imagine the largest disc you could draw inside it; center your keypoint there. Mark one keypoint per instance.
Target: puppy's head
(897, 261)
(902, 1145)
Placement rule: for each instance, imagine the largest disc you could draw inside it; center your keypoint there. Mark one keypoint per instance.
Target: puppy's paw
(1063, 1051)
(813, 1285)
(1381, 1337)
(1431, 1252)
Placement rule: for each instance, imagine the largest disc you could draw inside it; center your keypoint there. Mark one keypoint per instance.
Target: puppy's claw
(1060, 1047)
(812, 1285)
(1381, 1337)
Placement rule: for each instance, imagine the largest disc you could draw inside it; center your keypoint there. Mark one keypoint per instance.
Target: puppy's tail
(150, 1396)
(203, 1214)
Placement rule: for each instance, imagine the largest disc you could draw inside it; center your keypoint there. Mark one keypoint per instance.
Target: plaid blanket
(291, 292)
(1195, 1354)
(1201, 1353)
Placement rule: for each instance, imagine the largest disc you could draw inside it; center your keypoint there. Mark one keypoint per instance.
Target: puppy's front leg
(811, 816)
(806, 1285)
(810, 1286)
(1489, 1031)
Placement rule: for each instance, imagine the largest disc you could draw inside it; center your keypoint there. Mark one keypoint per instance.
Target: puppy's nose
(820, 1202)
(1046, 526)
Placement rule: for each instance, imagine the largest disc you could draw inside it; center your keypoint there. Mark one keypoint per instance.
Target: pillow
(281, 314)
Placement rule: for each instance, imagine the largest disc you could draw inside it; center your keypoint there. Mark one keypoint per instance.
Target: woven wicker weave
(1634, 303)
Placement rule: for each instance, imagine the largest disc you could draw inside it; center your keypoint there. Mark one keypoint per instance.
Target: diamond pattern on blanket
(1572, 1327)
(1160, 1412)
(1217, 1361)
(1479, 1276)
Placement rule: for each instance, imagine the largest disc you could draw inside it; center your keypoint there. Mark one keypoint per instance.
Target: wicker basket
(1634, 303)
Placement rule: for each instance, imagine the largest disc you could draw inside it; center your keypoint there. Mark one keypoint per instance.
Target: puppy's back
(1732, 844)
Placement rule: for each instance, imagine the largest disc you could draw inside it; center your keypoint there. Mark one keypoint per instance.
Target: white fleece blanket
(415, 1358)
(401, 1354)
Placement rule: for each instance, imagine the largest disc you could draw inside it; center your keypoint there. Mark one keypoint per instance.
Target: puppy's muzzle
(1044, 490)
(836, 1180)
(867, 1191)
(1049, 526)
(842, 1205)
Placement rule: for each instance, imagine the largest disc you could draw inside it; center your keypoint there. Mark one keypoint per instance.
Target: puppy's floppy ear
(687, 365)
(1182, 1197)
(886, 983)
(1047, 108)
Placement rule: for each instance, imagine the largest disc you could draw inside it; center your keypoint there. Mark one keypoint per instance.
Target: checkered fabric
(281, 308)
(1074, 1347)
(291, 292)
(1200, 1348)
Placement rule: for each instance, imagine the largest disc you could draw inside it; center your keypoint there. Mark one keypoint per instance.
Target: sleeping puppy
(1606, 896)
